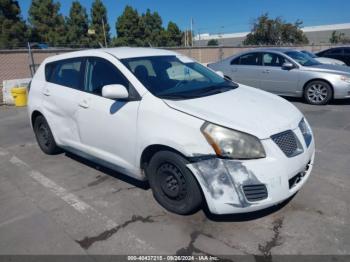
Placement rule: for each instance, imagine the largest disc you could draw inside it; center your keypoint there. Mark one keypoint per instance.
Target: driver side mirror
(115, 92)
(287, 66)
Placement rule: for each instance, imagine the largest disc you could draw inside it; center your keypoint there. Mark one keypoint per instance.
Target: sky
(222, 16)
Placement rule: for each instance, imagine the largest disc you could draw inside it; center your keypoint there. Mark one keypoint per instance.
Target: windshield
(172, 77)
(309, 53)
(301, 58)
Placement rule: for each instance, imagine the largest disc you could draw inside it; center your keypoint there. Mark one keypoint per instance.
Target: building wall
(315, 37)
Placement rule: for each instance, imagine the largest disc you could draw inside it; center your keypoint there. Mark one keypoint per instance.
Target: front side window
(250, 59)
(302, 58)
(174, 78)
(99, 73)
(66, 73)
(271, 59)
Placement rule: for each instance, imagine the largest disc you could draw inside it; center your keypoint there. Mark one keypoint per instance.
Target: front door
(277, 80)
(108, 128)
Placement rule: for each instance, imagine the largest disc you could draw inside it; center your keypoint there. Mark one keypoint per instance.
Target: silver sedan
(287, 72)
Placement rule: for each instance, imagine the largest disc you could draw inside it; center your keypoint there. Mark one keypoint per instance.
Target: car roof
(118, 52)
(273, 49)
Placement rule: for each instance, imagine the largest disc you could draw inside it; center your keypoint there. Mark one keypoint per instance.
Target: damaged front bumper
(234, 186)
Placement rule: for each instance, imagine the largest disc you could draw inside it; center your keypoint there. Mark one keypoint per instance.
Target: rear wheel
(318, 93)
(44, 136)
(173, 185)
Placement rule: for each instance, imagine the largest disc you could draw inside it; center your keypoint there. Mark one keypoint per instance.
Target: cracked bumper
(222, 180)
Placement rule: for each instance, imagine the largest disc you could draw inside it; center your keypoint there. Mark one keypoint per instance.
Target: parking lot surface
(65, 205)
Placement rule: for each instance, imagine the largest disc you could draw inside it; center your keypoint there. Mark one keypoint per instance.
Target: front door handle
(84, 103)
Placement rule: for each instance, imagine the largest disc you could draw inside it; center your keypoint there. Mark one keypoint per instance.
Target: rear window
(66, 73)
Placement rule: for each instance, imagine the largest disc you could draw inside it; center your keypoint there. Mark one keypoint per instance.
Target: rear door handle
(84, 103)
(46, 92)
(234, 70)
(267, 71)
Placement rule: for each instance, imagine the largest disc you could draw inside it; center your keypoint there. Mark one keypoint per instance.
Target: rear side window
(250, 59)
(235, 61)
(100, 72)
(66, 73)
(347, 51)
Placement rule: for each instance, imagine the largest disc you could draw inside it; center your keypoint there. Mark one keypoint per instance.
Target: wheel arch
(151, 150)
(319, 79)
(34, 115)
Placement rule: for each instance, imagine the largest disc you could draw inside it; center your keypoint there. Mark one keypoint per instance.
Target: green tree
(47, 24)
(337, 38)
(213, 42)
(77, 25)
(130, 29)
(98, 20)
(267, 31)
(153, 29)
(13, 30)
(174, 35)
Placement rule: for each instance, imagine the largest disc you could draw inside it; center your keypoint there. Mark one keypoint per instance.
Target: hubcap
(317, 93)
(172, 182)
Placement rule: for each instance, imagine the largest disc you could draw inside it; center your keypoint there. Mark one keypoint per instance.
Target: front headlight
(345, 78)
(306, 131)
(232, 144)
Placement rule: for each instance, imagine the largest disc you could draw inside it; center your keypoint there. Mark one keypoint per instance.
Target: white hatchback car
(159, 116)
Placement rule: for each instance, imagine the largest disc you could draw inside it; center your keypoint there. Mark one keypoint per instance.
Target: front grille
(287, 142)
(255, 192)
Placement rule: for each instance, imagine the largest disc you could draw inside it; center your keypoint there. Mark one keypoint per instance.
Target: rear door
(107, 127)
(64, 82)
(246, 69)
(275, 79)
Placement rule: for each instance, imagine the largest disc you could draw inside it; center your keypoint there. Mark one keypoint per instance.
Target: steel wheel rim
(172, 182)
(43, 134)
(317, 93)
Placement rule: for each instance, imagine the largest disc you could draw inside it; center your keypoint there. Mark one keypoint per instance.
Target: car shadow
(110, 172)
(246, 216)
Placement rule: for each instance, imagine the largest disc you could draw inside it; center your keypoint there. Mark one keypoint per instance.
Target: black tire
(44, 136)
(173, 185)
(318, 92)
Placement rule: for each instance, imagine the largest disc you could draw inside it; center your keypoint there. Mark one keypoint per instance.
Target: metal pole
(191, 31)
(31, 63)
(104, 32)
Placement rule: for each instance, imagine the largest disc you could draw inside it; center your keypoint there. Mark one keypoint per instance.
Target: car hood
(328, 68)
(244, 109)
(326, 60)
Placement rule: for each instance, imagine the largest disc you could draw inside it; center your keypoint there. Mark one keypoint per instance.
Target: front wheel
(173, 185)
(318, 93)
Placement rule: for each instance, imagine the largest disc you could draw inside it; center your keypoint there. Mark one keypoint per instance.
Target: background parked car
(339, 53)
(287, 72)
(324, 60)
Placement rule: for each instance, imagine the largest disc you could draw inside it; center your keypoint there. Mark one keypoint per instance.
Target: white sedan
(324, 60)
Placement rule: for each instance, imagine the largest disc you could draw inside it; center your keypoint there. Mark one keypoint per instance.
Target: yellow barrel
(19, 95)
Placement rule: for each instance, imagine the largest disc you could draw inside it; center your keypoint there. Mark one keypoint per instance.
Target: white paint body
(116, 133)
(331, 61)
